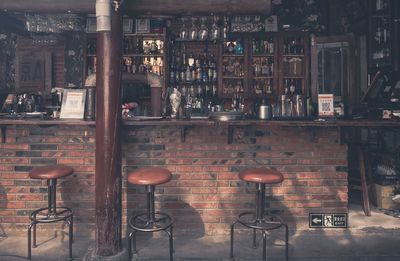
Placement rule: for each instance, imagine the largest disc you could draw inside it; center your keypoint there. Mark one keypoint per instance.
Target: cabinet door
(332, 68)
(293, 63)
(233, 67)
(263, 67)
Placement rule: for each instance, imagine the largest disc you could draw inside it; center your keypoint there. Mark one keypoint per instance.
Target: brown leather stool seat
(151, 220)
(149, 176)
(51, 172)
(261, 175)
(52, 213)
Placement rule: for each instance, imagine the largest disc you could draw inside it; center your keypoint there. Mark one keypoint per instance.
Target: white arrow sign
(316, 220)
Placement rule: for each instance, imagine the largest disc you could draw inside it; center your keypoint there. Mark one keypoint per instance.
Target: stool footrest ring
(269, 222)
(42, 215)
(162, 221)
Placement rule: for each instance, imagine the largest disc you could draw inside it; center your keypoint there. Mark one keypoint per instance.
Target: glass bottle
(154, 47)
(238, 47)
(146, 47)
(231, 47)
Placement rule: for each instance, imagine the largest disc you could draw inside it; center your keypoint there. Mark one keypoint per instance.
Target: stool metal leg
(30, 241)
(130, 245)
(286, 241)
(264, 246)
(232, 237)
(34, 235)
(254, 238)
(71, 232)
(171, 243)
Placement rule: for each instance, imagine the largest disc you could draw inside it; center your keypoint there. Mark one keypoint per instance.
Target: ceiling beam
(143, 7)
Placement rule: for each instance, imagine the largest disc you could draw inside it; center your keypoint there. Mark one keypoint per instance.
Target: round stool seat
(51, 172)
(260, 175)
(149, 176)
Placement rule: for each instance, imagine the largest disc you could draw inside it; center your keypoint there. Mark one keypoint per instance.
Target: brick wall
(205, 194)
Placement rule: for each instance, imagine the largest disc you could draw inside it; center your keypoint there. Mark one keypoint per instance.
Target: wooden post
(108, 139)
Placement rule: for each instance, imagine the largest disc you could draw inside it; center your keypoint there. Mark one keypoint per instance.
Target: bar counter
(204, 156)
(207, 122)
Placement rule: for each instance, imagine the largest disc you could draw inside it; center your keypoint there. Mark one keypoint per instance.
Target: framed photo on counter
(142, 26)
(73, 104)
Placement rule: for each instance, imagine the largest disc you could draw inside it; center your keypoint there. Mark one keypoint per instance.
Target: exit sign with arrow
(337, 220)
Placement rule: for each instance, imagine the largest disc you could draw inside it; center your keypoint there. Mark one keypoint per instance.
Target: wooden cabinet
(271, 64)
(293, 61)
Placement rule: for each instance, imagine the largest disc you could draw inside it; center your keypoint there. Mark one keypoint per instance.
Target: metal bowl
(227, 116)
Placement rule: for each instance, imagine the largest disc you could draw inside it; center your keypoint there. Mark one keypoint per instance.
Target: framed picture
(127, 24)
(271, 24)
(73, 104)
(142, 26)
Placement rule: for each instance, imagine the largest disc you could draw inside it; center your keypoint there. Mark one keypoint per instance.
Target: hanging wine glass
(203, 32)
(194, 30)
(184, 32)
(215, 30)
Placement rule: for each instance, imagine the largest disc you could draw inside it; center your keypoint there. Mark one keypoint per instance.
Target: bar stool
(261, 219)
(150, 221)
(52, 213)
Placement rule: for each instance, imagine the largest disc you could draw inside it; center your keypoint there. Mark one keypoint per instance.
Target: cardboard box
(381, 196)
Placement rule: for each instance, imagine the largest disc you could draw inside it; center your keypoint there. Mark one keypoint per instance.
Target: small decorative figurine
(175, 99)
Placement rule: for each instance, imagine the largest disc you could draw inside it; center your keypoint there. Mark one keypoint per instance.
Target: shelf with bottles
(262, 64)
(232, 86)
(139, 65)
(233, 67)
(263, 86)
(293, 60)
(293, 86)
(193, 63)
(233, 47)
(143, 46)
(381, 31)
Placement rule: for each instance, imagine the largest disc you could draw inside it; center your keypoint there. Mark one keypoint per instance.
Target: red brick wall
(205, 194)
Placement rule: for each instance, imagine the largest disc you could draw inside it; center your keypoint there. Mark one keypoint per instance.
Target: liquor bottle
(182, 74)
(146, 47)
(172, 72)
(193, 71)
(188, 74)
(134, 66)
(160, 66)
(200, 70)
(153, 47)
(126, 45)
(231, 47)
(154, 66)
(238, 47)
(264, 68)
(139, 46)
(204, 76)
(255, 47)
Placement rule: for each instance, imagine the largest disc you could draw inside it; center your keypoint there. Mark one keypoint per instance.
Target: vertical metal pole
(51, 194)
(260, 201)
(150, 204)
(108, 128)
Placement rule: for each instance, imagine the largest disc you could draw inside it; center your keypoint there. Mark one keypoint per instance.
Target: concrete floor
(367, 239)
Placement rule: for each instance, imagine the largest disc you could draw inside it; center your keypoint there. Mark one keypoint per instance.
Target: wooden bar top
(206, 122)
